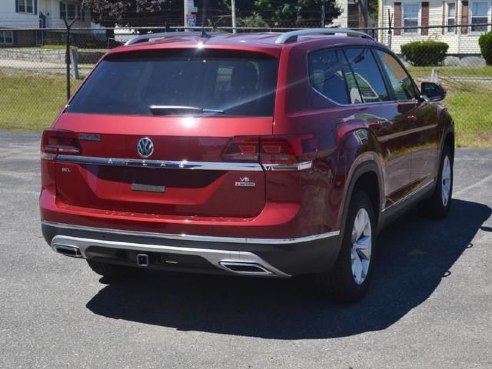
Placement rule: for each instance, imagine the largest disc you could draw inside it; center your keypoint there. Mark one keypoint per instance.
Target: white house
(352, 15)
(442, 16)
(30, 22)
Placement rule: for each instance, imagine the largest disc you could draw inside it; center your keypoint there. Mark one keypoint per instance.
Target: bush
(425, 53)
(485, 42)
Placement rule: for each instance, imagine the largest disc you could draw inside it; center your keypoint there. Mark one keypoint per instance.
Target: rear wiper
(180, 110)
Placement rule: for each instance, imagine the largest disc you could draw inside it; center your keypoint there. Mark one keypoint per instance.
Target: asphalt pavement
(430, 305)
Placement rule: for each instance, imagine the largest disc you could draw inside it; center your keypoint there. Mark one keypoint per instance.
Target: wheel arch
(365, 175)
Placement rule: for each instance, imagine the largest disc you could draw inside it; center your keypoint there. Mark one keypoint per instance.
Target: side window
(326, 75)
(400, 81)
(366, 75)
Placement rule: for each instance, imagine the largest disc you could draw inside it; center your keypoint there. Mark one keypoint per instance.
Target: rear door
(367, 86)
(420, 119)
(156, 134)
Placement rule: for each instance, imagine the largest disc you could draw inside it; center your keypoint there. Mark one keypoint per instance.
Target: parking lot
(430, 305)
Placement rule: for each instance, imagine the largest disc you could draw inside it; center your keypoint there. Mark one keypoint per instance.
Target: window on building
(451, 19)
(6, 38)
(70, 11)
(479, 16)
(25, 6)
(411, 17)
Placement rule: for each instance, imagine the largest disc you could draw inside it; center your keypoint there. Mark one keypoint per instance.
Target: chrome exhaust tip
(68, 250)
(246, 268)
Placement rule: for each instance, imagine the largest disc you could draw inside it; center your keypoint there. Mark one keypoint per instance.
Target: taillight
(275, 150)
(241, 149)
(60, 142)
(270, 149)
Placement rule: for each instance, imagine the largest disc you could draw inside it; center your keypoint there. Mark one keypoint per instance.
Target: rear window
(209, 83)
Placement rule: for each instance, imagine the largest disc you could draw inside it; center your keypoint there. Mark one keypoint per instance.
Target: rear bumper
(206, 254)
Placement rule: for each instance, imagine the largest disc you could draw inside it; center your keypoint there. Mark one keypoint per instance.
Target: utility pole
(185, 10)
(233, 9)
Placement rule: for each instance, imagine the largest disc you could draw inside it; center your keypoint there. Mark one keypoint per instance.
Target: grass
(470, 107)
(58, 47)
(32, 101)
(425, 72)
(467, 101)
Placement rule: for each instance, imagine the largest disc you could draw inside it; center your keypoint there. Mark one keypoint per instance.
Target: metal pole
(67, 53)
(233, 10)
(390, 25)
(67, 61)
(365, 5)
(185, 10)
(323, 13)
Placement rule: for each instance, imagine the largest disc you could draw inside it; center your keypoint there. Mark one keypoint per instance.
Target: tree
(295, 12)
(133, 13)
(129, 12)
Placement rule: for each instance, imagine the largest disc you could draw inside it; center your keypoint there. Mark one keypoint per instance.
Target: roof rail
(292, 36)
(150, 36)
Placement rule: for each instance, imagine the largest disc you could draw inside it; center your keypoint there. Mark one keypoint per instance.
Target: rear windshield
(205, 83)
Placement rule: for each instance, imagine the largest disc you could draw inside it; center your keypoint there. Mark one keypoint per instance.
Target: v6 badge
(245, 182)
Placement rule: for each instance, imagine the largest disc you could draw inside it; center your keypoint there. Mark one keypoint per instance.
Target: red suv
(255, 154)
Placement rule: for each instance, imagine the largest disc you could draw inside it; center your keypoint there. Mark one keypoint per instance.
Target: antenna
(204, 33)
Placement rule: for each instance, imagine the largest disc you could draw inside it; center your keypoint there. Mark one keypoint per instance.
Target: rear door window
(366, 75)
(327, 76)
(207, 84)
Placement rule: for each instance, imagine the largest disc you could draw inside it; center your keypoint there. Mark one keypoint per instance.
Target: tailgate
(184, 175)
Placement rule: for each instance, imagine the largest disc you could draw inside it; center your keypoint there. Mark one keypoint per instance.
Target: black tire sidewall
(347, 289)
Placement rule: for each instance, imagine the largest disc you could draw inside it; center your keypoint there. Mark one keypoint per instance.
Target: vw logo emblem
(145, 147)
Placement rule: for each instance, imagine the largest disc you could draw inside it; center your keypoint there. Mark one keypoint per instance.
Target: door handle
(376, 124)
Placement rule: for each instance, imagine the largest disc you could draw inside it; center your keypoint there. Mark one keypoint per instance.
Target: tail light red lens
(277, 150)
(270, 149)
(241, 149)
(60, 142)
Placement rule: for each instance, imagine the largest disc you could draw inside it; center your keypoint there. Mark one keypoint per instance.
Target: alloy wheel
(446, 181)
(360, 254)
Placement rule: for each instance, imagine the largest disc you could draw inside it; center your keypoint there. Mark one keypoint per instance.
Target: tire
(349, 279)
(109, 271)
(439, 204)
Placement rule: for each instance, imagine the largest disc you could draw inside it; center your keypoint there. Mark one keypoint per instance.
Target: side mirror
(433, 91)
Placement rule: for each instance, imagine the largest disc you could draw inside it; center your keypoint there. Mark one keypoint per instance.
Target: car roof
(267, 42)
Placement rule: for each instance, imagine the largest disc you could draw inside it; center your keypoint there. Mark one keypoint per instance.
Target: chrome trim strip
(409, 195)
(48, 156)
(297, 166)
(183, 164)
(215, 257)
(143, 163)
(188, 237)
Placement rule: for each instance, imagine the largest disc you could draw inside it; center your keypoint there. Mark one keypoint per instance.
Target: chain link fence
(33, 70)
